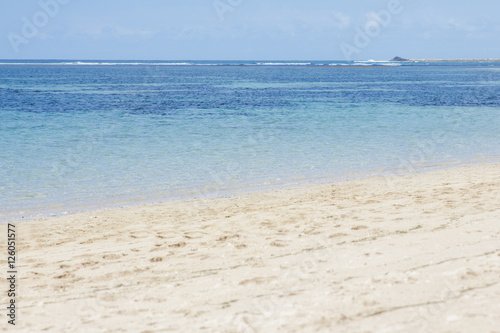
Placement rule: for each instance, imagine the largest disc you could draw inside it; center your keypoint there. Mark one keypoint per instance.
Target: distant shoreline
(189, 62)
(451, 60)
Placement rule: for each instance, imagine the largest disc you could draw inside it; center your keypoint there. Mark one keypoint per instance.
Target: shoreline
(454, 60)
(410, 252)
(225, 191)
(267, 63)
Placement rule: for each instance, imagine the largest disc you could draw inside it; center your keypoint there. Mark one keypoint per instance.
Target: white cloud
(192, 32)
(461, 25)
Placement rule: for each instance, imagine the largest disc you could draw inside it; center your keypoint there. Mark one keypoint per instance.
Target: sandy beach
(405, 253)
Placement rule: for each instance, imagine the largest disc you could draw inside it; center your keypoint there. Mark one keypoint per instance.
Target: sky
(249, 29)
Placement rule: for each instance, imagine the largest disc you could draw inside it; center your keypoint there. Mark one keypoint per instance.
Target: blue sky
(249, 29)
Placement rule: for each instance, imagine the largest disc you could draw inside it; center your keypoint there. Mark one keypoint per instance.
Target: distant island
(400, 59)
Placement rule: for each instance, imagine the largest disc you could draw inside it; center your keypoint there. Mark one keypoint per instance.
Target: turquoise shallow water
(74, 136)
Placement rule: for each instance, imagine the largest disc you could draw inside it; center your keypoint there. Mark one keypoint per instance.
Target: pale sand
(415, 253)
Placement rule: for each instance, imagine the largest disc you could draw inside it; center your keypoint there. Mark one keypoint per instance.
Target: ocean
(78, 135)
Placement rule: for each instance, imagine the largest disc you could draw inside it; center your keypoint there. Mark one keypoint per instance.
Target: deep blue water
(87, 134)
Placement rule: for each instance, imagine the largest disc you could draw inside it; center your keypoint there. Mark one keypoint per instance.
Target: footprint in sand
(111, 256)
(65, 275)
(279, 244)
(257, 280)
(177, 245)
(340, 234)
(359, 227)
(89, 263)
(312, 231)
(225, 238)
(156, 259)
